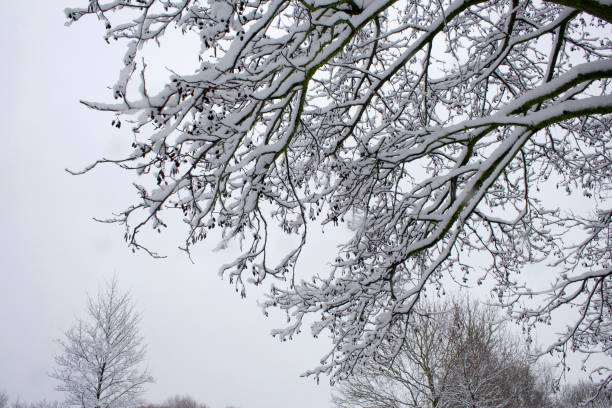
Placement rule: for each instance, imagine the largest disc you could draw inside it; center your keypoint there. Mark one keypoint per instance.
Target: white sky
(203, 340)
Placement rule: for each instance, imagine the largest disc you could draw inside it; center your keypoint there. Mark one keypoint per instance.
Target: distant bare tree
(584, 394)
(101, 355)
(178, 401)
(3, 399)
(184, 401)
(457, 355)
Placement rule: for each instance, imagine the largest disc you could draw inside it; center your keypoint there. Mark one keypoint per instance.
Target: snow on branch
(433, 125)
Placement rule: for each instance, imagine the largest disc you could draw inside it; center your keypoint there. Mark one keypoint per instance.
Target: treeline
(454, 354)
(581, 394)
(5, 402)
(177, 401)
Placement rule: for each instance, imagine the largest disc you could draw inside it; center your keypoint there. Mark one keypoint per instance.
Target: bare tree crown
(99, 365)
(457, 354)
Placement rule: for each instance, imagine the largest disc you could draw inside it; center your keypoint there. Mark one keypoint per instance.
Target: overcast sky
(203, 340)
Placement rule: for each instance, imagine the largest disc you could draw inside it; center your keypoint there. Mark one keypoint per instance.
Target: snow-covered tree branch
(437, 124)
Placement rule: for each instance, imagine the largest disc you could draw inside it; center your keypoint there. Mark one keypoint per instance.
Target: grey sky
(203, 340)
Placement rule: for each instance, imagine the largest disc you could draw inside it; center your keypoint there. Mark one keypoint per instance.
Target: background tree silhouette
(457, 354)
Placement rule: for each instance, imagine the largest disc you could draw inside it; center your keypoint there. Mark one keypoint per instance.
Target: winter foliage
(440, 127)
